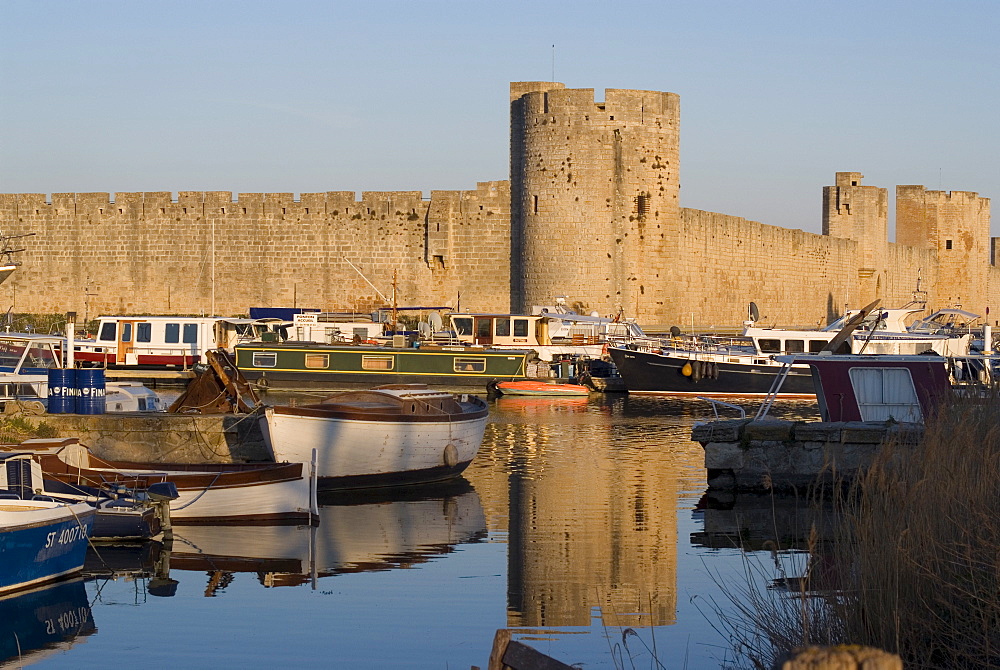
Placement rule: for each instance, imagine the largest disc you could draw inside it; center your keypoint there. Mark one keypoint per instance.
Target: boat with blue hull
(42, 620)
(41, 541)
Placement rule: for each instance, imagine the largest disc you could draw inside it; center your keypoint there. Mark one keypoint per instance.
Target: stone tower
(860, 213)
(956, 225)
(594, 197)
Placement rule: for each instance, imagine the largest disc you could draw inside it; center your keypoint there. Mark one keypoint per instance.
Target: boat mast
(394, 301)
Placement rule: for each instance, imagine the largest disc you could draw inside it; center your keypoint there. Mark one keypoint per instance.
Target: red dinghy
(535, 388)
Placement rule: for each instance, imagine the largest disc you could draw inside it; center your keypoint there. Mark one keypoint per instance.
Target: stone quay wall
(774, 455)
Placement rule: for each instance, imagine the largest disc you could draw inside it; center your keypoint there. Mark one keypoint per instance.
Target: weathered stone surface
(721, 455)
(719, 431)
(163, 438)
(905, 433)
(859, 431)
(841, 657)
(835, 453)
(818, 431)
(768, 429)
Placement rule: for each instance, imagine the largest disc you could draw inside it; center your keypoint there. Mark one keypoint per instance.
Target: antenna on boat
(919, 297)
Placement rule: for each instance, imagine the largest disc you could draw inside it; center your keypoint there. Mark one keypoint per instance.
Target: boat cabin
(165, 340)
(329, 328)
(882, 332)
(876, 387)
(536, 330)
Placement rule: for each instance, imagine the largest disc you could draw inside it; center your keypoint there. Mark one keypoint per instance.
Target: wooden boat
(122, 514)
(389, 435)
(292, 365)
(536, 388)
(41, 541)
(209, 493)
(359, 531)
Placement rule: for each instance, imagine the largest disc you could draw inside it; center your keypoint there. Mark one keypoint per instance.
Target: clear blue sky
(306, 96)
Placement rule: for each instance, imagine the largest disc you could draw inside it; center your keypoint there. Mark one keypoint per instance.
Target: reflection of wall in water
(593, 522)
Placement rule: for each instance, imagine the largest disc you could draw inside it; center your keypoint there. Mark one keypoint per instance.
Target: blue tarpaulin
(283, 313)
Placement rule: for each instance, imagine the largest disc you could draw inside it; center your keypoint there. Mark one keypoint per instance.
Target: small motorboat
(386, 436)
(122, 514)
(41, 541)
(208, 493)
(536, 388)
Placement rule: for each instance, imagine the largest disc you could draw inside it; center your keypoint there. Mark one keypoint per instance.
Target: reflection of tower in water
(592, 517)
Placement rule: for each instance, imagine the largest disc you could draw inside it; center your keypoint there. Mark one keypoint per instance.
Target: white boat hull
(260, 503)
(363, 453)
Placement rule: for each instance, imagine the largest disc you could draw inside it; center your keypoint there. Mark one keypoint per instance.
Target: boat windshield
(39, 354)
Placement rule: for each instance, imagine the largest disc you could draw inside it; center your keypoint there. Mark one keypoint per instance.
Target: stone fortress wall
(591, 212)
(148, 253)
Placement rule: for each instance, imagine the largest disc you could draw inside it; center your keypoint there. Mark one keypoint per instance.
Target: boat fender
(450, 455)
(262, 383)
(686, 370)
(715, 370)
(696, 371)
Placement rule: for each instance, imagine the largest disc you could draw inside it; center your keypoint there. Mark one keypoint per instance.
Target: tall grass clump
(912, 565)
(918, 551)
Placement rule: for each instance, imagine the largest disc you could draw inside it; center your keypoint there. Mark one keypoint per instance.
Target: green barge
(304, 365)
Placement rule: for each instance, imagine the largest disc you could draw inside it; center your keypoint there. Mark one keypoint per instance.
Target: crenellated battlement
(544, 103)
(371, 204)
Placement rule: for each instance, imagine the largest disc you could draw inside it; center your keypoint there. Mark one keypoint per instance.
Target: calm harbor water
(579, 519)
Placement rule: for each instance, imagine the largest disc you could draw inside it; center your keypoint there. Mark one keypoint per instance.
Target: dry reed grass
(913, 567)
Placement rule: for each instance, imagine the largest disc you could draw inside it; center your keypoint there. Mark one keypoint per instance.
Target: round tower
(594, 197)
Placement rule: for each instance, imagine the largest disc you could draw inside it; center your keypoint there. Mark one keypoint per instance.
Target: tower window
(947, 244)
(535, 203)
